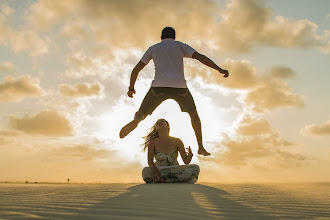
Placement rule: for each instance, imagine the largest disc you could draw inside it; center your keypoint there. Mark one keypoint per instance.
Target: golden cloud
(49, 123)
(84, 151)
(7, 10)
(3, 28)
(317, 130)
(6, 68)
(243, 24)
(243, 75)
(257, 144)
(87, 161)
(273, 94)
(81, 89)
(14, 90)
(281, 72)
(22, 40)
(9, 133)
(46, 14)
(6, 140)
(27, 40)
(8, 136)
(265, 92)
(82, 65)
(250, 126)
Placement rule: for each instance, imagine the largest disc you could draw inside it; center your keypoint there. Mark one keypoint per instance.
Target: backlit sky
(64, 74)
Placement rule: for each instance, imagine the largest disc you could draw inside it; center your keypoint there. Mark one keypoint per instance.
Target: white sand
(165, 201)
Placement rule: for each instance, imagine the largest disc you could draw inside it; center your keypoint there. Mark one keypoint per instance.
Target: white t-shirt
(168, 59)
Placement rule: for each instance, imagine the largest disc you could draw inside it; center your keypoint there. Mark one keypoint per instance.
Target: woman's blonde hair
(153, 134)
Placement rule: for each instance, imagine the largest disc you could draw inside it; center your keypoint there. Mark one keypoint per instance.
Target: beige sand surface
(165, 201)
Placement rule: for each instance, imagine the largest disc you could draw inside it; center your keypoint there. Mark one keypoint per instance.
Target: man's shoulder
(180, 42)
(156, 45)
(153, 47)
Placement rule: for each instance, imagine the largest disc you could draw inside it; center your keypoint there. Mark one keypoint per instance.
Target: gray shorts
(156, 95)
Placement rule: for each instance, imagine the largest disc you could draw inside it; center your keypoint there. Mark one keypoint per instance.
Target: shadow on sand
(171, 201)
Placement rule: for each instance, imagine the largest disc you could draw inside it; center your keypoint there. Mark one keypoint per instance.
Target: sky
(65, 69)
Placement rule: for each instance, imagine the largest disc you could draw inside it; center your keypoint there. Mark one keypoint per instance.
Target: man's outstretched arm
(134, 75)
(208, 62)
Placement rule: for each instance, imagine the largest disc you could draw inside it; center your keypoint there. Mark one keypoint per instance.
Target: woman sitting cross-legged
(164, 149)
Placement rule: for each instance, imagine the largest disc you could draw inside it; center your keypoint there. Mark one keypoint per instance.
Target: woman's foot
(203, 152)
(128, 128)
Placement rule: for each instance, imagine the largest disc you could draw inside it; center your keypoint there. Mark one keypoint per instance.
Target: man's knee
(139, 116)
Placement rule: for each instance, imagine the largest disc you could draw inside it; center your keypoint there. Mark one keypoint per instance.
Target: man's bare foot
(128, 128)
(203, 152)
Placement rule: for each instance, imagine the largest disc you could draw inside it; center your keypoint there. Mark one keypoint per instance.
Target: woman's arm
(186, 157)
(152, 165)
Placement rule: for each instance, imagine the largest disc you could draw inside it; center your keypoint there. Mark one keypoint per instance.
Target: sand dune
(164, 201)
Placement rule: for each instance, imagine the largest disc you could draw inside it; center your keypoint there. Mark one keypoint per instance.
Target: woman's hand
(189, 153)
(157, 175)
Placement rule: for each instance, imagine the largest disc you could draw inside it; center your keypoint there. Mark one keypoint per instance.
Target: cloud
(81, 89)
(250, 127)
(15, 90)
(9, 133)
(82, 65)
(273, 94)
(27, 40)
(51, 160)
(3, 28)
(8, 136)
(84, 151)
(245, 24)
(282, 72)
(238, 26)
(271, 91)
(265, 92)
(49, 123)
(243, 75)
(6, 140)
(256, 144)
(6, 68)
(46, 14)
(7, 10)
(317, 130)
(23, 40)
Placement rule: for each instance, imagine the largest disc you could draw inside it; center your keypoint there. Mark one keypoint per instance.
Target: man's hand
(130, 93)
(225, 72)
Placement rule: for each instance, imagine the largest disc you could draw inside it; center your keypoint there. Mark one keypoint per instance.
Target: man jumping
(169, 82)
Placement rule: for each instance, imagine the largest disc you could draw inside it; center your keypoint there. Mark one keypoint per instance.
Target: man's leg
(150, 102)
(197, 126)
(130, 126)
(187, 104)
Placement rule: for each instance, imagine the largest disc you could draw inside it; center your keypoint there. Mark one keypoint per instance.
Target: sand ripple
(165, 201)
